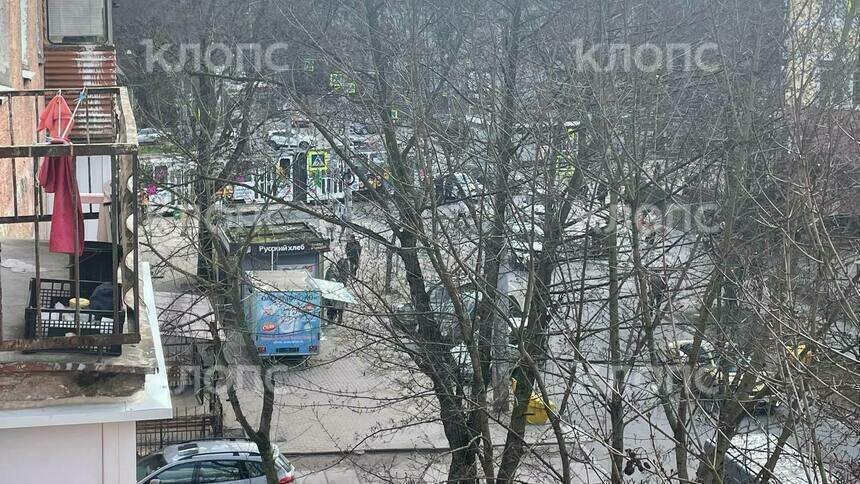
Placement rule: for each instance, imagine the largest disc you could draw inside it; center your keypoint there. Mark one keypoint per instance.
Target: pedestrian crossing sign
(317, 161)
(564, 167)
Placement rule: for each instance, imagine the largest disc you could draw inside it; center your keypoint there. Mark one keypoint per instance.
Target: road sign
(317, 161)
(564, 166)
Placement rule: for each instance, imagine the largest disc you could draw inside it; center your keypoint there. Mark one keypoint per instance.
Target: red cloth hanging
(56, 117)
(57, 175)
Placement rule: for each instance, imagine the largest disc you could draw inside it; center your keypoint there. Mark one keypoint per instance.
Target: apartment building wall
(21, 58)
(100, 453)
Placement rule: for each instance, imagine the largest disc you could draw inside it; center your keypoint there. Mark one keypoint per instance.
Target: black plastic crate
(61, 322)
(96, 262)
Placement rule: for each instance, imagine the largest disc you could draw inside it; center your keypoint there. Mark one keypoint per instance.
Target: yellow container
(536, 412)
(84, 303)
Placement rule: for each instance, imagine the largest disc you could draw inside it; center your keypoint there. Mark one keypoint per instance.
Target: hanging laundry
(57, 175)
(56, 118)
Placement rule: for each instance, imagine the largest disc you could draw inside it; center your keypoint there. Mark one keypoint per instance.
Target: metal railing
(122, 153)
(186, 425)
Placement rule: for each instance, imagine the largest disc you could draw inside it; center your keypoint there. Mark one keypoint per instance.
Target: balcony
(42, 330)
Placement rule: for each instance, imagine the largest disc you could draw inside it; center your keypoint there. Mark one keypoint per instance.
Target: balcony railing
(121, 156)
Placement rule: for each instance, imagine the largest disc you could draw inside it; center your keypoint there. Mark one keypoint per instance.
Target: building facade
(73, 383)
(21, 67)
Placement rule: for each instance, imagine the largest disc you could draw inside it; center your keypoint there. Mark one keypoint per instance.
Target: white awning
(334, 291)
(301, 281)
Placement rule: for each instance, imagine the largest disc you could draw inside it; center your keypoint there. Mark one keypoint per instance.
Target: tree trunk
(616, 401)
(260, 436)
(205, 100)
(438, 366)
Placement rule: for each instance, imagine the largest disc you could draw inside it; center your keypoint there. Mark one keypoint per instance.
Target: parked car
(404, 317)
(226, 461)
(278, 139)
(457, 186)
(290, 140)
(148, 136)
(681, 351)
(724, 377)
(677, 355)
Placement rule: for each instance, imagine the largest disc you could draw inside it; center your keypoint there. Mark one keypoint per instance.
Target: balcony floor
(16, 285)
(129, 368)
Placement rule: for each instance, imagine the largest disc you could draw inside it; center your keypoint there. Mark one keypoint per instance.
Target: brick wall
(22, 109)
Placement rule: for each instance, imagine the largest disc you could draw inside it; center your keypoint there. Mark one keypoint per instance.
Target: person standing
(353, 254)
(339, 272)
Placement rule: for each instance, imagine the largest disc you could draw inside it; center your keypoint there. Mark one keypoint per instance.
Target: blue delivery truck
(283, 310)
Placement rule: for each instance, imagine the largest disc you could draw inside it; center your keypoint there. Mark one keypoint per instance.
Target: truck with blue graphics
(283, 311)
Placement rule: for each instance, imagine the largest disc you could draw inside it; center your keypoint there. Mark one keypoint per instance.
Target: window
(181, 474)
(255, 469)
(220, 471)
(77, 21)
(24, 11)
(150, 464)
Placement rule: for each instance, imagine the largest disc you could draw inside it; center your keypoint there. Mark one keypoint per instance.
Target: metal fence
(188, 424)
(188, 362)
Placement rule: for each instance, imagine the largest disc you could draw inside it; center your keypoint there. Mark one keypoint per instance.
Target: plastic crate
(60, 322)
(96, 263)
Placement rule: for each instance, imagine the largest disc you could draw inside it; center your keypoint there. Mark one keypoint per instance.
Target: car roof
(173, 453)
(677, 344)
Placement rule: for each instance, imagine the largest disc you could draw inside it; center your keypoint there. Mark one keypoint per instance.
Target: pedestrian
(658, 283)
(339, 272)
(353, 254)
(461, 213)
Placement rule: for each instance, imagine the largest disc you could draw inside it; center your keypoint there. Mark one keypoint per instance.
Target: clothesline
(64, 132)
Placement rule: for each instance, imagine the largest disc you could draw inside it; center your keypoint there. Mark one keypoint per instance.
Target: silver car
(227, 461)
(146, 136)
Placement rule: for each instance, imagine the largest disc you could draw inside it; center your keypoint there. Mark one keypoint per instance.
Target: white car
(146, 136)
(226, 461)
(279, 139)
(291, 140)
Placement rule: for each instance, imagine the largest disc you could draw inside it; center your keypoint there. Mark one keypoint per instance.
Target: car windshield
(150, 464)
